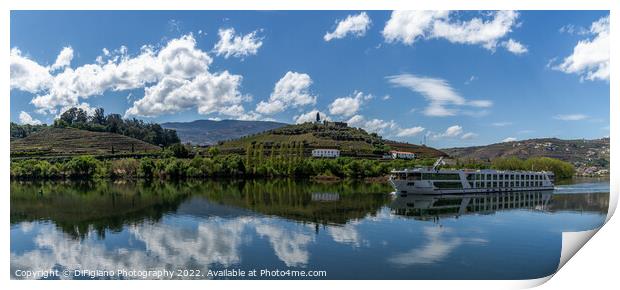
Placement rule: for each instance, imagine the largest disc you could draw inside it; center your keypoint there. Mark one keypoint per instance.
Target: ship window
(414, 176)
(445, 176)
(448, 185)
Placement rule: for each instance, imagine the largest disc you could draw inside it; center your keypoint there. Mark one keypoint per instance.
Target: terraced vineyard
(69, 141)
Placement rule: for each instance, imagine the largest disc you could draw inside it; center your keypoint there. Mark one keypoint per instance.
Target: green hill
(354, 142)
(581, 153)
(70, 141)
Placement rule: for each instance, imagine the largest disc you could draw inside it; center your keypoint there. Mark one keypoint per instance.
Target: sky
(452, 78)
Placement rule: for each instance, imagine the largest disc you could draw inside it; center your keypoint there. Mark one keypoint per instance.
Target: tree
(99, 117)
(179, 150)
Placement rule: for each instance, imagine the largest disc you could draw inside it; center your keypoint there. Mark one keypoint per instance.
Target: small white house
(326, 153)
(402, 155)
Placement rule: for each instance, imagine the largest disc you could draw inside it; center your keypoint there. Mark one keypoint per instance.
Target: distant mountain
(208, 132)
(578, 152)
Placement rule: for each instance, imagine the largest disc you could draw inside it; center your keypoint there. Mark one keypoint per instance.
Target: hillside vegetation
(71, 141)
(151, 133)
(354, 142)
(585, 155)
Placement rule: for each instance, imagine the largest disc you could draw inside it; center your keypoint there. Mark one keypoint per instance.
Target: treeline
(331, 131)
(24, 130)
(151, 133)
(561, 169)
(233, 165)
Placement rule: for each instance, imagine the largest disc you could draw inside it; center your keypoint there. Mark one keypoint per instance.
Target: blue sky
(460, 78)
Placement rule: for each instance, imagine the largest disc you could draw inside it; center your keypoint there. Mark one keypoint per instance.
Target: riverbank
(239, 166)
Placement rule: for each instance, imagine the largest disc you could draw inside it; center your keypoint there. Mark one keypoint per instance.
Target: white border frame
(600, 261)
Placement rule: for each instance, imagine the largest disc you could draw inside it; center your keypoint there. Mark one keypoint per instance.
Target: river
(283, 228)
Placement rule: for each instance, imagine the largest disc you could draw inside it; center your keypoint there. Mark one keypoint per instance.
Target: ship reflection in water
(349, 230)
(425, 207)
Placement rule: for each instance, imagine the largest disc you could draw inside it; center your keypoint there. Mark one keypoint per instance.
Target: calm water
(348, 230)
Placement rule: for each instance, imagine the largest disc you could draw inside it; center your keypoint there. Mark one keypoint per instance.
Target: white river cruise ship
(450, 181)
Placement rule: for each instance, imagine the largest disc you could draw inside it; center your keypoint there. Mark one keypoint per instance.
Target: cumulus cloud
(510, 139)
(310, 117)
(590, 57)
(378, 126)
(292, 90)
(26, 74)
(441, 96)
(207, 92)
(409, 26)
(291, 247)
(570, 117)
(63, 59)
(469, 136)
(25, 118)
(348, 106)
(175, 77)
(514, 46)
(409, 132)
(356, 25)
(383, 127)
(453, 131)
(237, 45)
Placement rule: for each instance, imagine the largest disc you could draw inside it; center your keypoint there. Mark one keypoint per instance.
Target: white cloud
(175, 77)
(514, 46)
(410, 26)
(356, 25)
(310, 117)
(379, 126)
(438, 92)
(25, 118)
(383, 127)
(571, 117)
(27, 75)
(469, 136)
(292, 90)
(386, 97)
(453, 131)
(237, 45)
(509, 139)
(572, 29)
(501, 124)
(590, 57)
(63, 59)
(346, 234)
(290, 247)
(409, 132)
(207, 92)
(348, 106)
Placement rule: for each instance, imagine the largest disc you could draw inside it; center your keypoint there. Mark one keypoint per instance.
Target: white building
(326, 153)
(402, 155)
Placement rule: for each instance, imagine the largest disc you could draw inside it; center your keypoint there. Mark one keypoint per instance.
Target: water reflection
(430, 207)
(352, 230)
